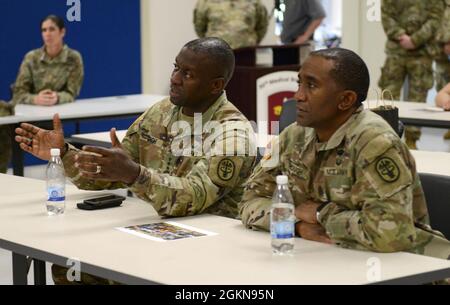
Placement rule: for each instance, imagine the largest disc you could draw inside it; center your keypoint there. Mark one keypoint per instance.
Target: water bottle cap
(54, 152)
(282, 179)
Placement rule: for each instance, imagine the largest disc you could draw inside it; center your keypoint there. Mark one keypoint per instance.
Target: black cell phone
(104, 202)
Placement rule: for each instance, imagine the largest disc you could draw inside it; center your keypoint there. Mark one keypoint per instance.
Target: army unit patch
(226, 169)
(387, 169)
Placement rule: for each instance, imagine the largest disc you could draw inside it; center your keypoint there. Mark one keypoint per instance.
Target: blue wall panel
(108, 37)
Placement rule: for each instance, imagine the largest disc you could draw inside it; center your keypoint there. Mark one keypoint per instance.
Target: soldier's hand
(307, 211)
(112, 164)
(46, 98)
(446, 106)
(406, 42)
(314, 232)
(38, 141)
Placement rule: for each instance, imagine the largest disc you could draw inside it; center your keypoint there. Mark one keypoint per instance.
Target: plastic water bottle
(282, 218)
(56, 184)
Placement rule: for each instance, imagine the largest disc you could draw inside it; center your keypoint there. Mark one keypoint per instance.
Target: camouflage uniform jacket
(366, 175)
(181, 185)
(416, 18)
(63, 74)
(443, 35)
(241, 23)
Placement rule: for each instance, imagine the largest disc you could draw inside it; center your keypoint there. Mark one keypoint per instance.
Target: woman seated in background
(48, 76)
(52, 74)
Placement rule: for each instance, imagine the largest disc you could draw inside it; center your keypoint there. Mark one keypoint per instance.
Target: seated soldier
(151, 161)
(353, 181)
(50, 75)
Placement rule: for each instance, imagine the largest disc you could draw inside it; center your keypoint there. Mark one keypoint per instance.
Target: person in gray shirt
(301, 19)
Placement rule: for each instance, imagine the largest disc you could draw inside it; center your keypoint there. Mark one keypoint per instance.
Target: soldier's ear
(63, 32)
(347, 100)
(217, 85)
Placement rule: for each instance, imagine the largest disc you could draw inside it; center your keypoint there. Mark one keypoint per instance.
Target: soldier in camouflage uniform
(62, 75)
(353, 181)
(148, 161)
(443, 59)
(50, 75)
(241, 23)
(410, 26)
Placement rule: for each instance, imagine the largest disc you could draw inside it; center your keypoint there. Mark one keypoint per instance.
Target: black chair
(401, 129)
(288, 114)
(437, 193)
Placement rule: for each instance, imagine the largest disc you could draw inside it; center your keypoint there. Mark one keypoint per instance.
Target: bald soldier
(353, 181)
(241, 23)
(152, 161)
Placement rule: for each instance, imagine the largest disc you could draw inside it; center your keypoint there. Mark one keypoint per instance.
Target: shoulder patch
(226, 169)
(387, 169)
(224, 172)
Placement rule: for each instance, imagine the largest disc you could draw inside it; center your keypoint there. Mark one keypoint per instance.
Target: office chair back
(288, 114)
(437, 193)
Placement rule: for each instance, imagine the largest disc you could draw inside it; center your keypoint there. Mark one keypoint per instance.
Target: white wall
(166, 27)
(367, 38)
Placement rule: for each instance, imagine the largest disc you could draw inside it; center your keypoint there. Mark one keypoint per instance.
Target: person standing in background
(241, 23)
(301, 19)
(410, 26)
(443, 59)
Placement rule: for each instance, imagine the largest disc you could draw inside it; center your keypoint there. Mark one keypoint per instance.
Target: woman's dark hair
(56, 20)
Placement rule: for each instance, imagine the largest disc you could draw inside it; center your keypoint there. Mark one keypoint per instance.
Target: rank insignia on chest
(149, 138)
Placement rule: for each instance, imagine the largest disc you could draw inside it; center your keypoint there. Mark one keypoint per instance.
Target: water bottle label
(55, 194)
(283, 230)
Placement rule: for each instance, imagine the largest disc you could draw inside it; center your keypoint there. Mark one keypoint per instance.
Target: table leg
(77, 127)
(20, 269)
(39, 273)
(17, 157)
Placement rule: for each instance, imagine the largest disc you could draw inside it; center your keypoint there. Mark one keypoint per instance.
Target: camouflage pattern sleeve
(74, 81)
(24, 83)
(74, 174)
(129, 143)
(381, 218)
(262, 21)
(389, 16)
(254, 209)
(429, 28)
(201, 18)
(209, 180)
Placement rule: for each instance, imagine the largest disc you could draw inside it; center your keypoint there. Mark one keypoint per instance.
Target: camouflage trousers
(442, 73)
(59, 275)
(419, 71)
